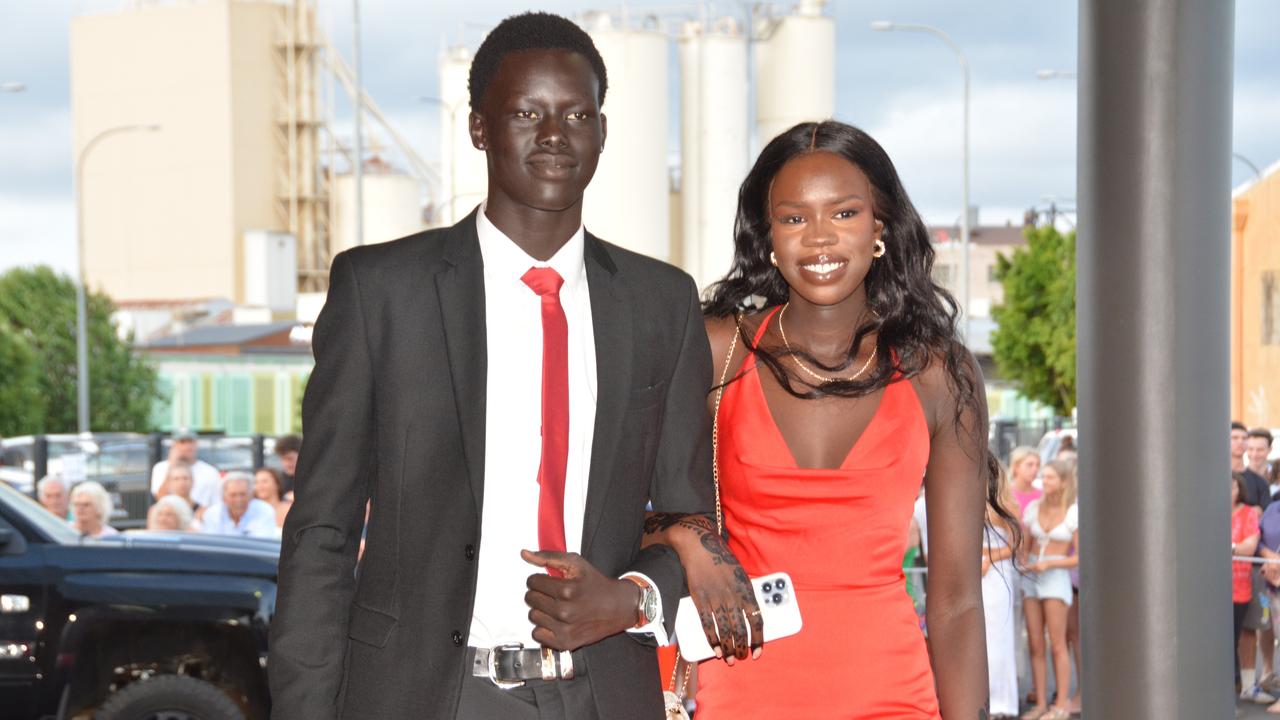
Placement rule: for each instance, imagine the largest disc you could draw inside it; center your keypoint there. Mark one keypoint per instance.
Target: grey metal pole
(359, 103)
(1152, 294)
(82, 313)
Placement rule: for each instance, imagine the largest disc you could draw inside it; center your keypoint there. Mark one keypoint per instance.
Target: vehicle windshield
(32, 511)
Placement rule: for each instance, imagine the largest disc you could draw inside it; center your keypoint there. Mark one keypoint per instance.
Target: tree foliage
(38, 306)
(1035, 338)
(21, 411)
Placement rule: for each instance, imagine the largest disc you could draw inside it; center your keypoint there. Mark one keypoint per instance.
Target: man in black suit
(511, 382)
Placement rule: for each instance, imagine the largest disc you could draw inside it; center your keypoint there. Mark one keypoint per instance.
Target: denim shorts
(1052, 584)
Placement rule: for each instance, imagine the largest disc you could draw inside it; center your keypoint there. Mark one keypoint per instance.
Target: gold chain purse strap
(679, 685)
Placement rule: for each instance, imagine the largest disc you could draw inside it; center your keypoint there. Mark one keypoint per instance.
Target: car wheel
(169, 697)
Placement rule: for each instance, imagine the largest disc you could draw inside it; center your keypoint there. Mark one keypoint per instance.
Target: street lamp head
(12, 87)
(882, 25)
(1046, 74)
(152, 127)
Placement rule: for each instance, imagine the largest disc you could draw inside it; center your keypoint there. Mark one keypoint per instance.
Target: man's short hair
(1237, 425)
(50, 479)
(1263, 433)
(531, 31)
(288, 444)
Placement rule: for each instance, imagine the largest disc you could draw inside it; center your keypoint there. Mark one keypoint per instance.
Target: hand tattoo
(660, 522)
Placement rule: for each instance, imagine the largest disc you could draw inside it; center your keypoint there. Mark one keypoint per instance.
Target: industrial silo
(392, 205)
(628, 202)
(463, 172)
(795, 62)
(715, 127)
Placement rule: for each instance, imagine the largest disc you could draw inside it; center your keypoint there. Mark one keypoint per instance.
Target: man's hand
(579, 608)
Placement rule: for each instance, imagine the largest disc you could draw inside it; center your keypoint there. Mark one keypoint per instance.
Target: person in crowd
(205, 477)
(91, 507)
(267, 487)
(834, 401)
(1053, 541)
(1269, 550)
(52, 491)
(179, 480)
(1245, 533)
(1259, 490)
(170, 513)
(999, 581)
(287, 449)
(1258, 494)
(1257, 448)
(239, 513)
(1024, 467)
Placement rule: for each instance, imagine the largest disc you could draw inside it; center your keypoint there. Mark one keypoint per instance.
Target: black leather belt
(510, 666)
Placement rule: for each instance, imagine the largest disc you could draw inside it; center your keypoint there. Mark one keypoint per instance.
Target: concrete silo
(715, 129)
(795, 62)
(628, 202)
(463, 172)
(392, 205)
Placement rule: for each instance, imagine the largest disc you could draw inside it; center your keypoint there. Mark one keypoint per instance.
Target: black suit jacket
(395, 412)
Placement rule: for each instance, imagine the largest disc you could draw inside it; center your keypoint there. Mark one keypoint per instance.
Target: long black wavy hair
(913, 318)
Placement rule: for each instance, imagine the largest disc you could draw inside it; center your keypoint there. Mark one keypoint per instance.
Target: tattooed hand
(720, 587)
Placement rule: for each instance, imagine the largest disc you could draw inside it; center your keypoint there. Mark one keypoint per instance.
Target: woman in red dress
(844, 392)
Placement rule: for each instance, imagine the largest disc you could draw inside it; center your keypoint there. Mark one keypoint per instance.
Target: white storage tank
(714, 151)
(795, 62)
(628, 202)
(392, 206)
(463, 170)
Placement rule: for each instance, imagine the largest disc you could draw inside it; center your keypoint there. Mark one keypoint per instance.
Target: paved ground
(1253, 712)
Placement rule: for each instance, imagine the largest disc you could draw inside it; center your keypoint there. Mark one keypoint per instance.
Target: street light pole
(82, 339)
(359, 158)
(887, 26)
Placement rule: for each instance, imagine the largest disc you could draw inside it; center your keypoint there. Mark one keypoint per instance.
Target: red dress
(841, 534)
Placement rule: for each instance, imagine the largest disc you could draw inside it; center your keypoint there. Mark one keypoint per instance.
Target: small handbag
(674, 696)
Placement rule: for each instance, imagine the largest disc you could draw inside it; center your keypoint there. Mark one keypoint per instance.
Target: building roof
(1248, 185)
(218, 335)
(1001, 235)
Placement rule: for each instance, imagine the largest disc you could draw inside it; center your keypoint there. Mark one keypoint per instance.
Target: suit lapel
(612, 329)
(460, 288)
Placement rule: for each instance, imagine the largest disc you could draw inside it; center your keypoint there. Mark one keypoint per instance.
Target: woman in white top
(998, 583)
(91, 507)
(1052, 524)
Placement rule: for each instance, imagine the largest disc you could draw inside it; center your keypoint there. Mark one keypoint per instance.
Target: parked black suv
(131, 627)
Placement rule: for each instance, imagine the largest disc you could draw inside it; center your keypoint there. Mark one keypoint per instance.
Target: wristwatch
(647, 608)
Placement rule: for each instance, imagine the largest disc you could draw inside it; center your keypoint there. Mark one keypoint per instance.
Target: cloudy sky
(903, 88)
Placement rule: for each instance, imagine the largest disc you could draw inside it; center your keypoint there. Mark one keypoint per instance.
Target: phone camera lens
(777, 598)
(768, 587)
(780, 583)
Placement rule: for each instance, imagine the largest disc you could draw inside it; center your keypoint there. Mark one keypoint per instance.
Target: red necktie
(546, 283)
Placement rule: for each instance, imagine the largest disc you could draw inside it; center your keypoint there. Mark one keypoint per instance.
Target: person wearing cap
(206, 478)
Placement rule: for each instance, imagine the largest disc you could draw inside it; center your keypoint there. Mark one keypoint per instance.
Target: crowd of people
(189, 495)
(1031, 584)
(1255, 586)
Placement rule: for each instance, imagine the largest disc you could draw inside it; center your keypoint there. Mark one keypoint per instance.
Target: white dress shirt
(513, 427)
(206, 481)
(258, 520)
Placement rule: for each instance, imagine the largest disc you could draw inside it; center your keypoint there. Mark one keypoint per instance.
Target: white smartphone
(779, 612)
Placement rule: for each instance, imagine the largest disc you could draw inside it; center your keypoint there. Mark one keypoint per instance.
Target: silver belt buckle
(493, 666)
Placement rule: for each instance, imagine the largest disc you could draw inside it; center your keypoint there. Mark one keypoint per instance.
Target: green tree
(40, 306)
(1035, 338)
(21, 408)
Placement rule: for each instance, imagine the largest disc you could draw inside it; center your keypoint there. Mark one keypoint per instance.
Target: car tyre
(169, 697)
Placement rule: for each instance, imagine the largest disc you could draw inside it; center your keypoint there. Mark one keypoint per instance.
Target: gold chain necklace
(802, 366)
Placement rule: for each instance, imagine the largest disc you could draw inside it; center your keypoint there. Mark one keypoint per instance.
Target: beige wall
(983, 291)
(1255, 264)
(164, 212)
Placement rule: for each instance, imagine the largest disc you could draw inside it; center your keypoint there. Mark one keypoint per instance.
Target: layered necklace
(800, 364)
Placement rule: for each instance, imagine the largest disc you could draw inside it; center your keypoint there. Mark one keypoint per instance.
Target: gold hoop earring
(773, 258)
(880, 248)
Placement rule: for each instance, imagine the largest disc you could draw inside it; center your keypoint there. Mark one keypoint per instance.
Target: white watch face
(649, 598)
